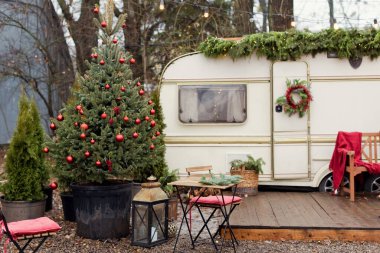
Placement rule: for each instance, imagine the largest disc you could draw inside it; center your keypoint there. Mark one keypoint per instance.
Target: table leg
(205, 225)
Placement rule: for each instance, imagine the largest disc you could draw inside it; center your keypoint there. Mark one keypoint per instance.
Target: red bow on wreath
(300, 88)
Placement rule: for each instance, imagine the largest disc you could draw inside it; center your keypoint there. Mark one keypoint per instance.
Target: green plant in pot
(25, 166)
(249, 170)
(107, 137)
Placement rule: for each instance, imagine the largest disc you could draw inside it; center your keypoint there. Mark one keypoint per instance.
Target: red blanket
(346, 141)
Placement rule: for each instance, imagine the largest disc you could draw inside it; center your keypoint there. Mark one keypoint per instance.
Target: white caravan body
(296, 150)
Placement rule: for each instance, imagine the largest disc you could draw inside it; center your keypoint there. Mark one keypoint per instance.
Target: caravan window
(212, 103)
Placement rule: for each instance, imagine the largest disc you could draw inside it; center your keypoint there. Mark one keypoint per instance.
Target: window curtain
(188, 107)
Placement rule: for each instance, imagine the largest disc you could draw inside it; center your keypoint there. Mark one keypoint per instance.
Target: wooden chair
(28, 230)
(369, 151)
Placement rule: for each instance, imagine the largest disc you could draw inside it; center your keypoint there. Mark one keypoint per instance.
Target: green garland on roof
(293, 44)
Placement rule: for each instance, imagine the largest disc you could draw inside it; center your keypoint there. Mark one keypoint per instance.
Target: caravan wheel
(372, 184)
(326, 184)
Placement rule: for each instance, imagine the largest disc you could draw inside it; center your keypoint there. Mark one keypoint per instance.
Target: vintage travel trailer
(220, 109)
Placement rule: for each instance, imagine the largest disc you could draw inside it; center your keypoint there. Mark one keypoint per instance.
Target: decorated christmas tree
(109, 129)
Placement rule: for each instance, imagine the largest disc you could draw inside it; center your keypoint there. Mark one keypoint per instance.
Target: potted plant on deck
(109, 137)
(25, 166)
(249, 171)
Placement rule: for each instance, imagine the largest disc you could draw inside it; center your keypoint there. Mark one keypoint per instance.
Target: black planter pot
(67, 199)
(102, 211)
(22, 210)
(49, 201)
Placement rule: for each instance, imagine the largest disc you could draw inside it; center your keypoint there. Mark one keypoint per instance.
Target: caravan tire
(372, 184)
(326, 184)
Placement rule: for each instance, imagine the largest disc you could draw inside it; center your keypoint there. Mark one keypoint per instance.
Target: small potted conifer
(25, 166)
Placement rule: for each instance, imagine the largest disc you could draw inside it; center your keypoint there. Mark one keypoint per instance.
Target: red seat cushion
(215, 200)
(33, 226)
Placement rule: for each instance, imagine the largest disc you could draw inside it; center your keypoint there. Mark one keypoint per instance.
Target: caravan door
(290, 135)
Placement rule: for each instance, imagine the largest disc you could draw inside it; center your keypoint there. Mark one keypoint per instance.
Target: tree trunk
(280, 14)
(241, 19)
(331, 12)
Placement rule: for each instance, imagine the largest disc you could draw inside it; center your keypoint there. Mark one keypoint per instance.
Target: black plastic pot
(49, 201)
(22, 210)
(67, 199)
(102, 211)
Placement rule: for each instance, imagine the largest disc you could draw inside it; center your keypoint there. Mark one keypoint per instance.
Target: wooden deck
(306, 216)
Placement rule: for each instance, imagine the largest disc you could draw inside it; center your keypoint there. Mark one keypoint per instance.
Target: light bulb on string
(293, 23)
(162, 5)
(375, 24)
(336, 25)
(206, 14)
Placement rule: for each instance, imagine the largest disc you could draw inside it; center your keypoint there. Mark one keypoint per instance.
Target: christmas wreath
(296, 88)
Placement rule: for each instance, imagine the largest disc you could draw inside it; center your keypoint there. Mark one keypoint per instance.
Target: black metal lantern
(150, 215)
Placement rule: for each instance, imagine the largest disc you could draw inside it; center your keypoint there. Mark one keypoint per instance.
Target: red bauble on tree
(138, 84)
(114, 40)
(132, 61)
(53, 185)
(104, 115)
(98, 163)
(153, 123)
(122, 60)
(103, 24)
(95, 10)
(150, 102)
(158, 133)
(135, 135)
(84, 126)
(76, 124)
(87, 154)
(137, 121)
(69, 159)
(102, 62)
(83, 136)
(154, 137)
(152, 112)
(146, 118)
(151, 147)
(53, 126)
(110, 121)
(45, 149)
(78, 107)
(119, 138)
(124, 26)
(122, 88)
(116, 110)
(92, 141)
(60, 117)
(141, 92)
(95, 55)
(107, 86)
(81, 112)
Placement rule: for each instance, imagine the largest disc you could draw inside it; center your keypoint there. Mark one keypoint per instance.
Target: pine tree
(109, 129)
(25, 163)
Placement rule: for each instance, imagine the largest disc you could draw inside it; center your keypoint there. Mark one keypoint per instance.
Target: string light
(162, 5)
(206, 14)
(336, 26)
(375, 24)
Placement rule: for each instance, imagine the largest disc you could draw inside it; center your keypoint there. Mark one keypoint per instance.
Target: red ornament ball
(45, 149)
(81, 112)
(69, 159)
(141, 92)
(104, 115)
(78, 107)
(110, 121)
(95, 10)
(146, 118)
(102, 62)
(84, 126)
(53, 185)
(151, 147)
(135, 135)
(121, 60)
(119, 138)
(92, 141)
(98, 163)
(150, 102)
(107, 86)
(114, 41)
(60, 117)
(137, 121)
(76, 124)
(83, 136)
(138, 84)
(87, 154)
(154, 137)
(132, 61)
(116, 109)
(122, 88)
(124, 26)
(152, 112)
(153, 123)
(103, 24)
(158, 133)
(126, 119)
(95, 55)
(53, 126)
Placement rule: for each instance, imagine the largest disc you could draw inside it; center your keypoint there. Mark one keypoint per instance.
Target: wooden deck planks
(306, 216)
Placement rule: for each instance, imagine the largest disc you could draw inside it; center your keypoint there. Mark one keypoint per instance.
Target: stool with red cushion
(218, 202)
(39, 228)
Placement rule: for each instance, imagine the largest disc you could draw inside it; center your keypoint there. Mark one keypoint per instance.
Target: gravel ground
(67, 241)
